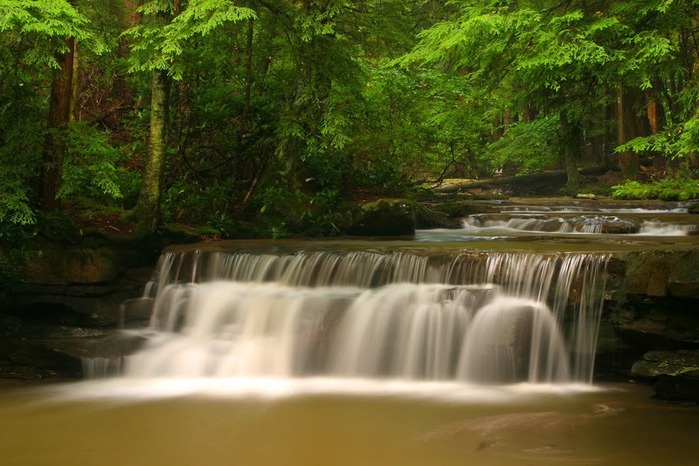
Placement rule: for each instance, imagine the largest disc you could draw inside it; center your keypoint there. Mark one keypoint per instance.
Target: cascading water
(469, 317)
(585, 224)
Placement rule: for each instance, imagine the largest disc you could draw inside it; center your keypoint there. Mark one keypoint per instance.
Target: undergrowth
(668, 189)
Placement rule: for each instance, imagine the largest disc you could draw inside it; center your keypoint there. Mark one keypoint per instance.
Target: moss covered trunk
(148, 206)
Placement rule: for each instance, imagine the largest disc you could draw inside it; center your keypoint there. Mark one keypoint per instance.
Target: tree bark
(61, 108)
(248, 67)
(653, 115)
(572, 141)
(628, 161)
(148, 205)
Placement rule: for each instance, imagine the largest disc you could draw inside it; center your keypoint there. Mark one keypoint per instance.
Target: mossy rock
(672, 363)
(385, 217)
(676, 372)
(176, 233)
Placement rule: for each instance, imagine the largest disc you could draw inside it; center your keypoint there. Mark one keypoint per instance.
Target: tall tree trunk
(61, 109)
(628, 161)
(148, 205)
(248, 67)
(653, 115)
(572, 141)
(120, 87)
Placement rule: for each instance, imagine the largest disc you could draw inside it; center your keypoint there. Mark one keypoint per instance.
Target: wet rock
(32, 359)
(676, 372)
(433, 216)
(657, 323)
(51, 266)
(608, 225)
(81, 305)
(678, 389)
(669, 363)
(662, 273)
(385, 217)
(138, 309)
(15, 327)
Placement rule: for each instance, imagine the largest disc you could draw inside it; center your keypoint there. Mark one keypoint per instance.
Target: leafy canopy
(165, 34)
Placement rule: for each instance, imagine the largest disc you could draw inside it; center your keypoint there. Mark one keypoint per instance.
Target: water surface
(117, 423)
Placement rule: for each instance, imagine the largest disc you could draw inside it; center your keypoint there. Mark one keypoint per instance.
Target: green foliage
(20, 150)
(668, 189)
(165, 35)
(14, 204)
(57, 226)
(530, 146)
(675, 142)
(196, 203)
(283, 213)
(90, 164)
(560, 60)
(34, 25)
(281, 110)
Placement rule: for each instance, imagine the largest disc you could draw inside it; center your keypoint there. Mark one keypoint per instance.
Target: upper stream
(581, 222)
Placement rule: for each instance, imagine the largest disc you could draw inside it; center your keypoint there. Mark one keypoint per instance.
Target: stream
(473, 345)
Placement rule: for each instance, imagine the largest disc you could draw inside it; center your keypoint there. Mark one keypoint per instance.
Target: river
(187, 423)
(471, 346)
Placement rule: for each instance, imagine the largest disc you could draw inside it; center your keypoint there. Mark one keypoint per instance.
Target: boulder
(676, 374)
(385, 217)
(609, 225)
(33, 359)
(669, 363)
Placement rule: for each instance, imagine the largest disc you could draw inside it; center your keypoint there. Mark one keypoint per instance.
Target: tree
(671, 90)
(61, 111)
(560, 59)
(159, 43)
(38, 35)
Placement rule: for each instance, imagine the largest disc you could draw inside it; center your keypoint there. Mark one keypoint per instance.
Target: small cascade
(571, 224)
(474, 317)
(652, 228)
(588, 224)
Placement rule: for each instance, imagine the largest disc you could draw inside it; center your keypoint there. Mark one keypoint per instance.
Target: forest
(268, 117)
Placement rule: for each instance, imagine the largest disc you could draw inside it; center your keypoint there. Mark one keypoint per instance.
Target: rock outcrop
(61, 297)
(676, 374)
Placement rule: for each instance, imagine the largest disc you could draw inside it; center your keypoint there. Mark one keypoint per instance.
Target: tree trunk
(653, 115)
(148, 205)
(248, 67)
(572, 141)
(61, 108)
(628, 161)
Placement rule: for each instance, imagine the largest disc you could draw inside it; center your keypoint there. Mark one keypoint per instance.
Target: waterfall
(474, 317)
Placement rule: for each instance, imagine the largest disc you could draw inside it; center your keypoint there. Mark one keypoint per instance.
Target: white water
(586, 224)
(470, 318)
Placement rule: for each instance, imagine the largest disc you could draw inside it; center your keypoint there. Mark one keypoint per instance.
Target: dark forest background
(272, 115)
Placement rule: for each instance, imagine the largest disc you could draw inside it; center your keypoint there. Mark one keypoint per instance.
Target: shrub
(668, 189)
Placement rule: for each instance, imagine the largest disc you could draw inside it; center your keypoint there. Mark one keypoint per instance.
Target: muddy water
(110, 423)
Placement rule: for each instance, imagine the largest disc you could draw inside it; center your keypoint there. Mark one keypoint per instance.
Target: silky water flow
(478, 318)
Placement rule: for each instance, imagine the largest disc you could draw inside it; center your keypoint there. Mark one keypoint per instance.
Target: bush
(90, 165)
(669, 189)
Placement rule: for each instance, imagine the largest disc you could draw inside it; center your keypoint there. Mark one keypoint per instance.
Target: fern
(89, 168)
